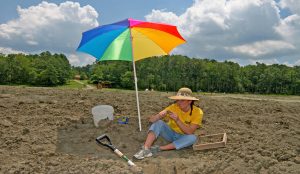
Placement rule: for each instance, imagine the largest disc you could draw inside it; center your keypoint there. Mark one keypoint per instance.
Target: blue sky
(109, 10)
(242, 31)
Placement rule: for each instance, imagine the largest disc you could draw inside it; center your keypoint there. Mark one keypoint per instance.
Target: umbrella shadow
(78, 138)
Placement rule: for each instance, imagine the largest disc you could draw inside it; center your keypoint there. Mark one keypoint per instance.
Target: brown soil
(211, 138)
(46, 130)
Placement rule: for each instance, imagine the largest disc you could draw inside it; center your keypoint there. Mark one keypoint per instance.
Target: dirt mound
(46, 130)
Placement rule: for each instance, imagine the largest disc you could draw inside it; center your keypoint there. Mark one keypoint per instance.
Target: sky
(241, 31)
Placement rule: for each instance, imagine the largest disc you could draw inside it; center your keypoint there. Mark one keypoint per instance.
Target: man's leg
(160, 128)
(168, 147)
(180, 141)
(184, 141)
(154, 131)
(149, 140)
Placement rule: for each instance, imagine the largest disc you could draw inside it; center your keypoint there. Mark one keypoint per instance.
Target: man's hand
(173, 116)
(158, 116)
(163, 113)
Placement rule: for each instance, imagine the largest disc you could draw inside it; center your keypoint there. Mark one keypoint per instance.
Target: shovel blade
(105, 141)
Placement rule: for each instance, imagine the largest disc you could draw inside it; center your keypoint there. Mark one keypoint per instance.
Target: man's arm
(187, 129)
(158, 116)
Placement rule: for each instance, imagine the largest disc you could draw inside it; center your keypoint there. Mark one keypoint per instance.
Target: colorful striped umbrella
(130, 40)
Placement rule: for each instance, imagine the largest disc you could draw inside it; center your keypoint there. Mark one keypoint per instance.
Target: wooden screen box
(210, 141)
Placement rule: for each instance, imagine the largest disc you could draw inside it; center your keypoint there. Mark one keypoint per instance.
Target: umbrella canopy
(130, 40)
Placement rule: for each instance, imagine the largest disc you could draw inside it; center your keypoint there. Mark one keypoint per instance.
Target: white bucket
(101, 112)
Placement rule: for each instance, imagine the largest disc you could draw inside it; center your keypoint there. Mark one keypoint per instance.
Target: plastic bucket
(101, 112)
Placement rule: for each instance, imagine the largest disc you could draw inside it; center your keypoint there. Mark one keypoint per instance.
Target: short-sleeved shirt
(185, 117)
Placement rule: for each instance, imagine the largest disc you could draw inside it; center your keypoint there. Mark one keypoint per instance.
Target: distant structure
(77, 77)
(104, 84)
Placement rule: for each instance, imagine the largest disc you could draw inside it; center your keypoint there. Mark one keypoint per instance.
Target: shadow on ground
(79, 137)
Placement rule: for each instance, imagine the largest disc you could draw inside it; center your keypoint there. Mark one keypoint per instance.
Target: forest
(164, 73)
(169, 73)
(44, 69)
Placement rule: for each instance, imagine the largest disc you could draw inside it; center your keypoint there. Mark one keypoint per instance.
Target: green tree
(127, 80)
(48, 77)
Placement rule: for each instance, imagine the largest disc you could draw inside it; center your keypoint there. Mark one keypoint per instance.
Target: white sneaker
(143, 153)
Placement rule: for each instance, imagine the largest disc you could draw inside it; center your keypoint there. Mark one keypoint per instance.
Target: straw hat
(183, 94)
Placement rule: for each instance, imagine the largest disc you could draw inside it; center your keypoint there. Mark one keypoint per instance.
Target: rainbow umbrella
(130, 40)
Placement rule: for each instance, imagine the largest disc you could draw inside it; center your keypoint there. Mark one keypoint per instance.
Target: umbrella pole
(137, 95)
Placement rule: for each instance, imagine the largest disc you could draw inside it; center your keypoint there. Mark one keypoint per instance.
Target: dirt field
(46, 130)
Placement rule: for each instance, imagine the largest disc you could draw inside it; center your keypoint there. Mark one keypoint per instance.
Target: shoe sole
(147, 156)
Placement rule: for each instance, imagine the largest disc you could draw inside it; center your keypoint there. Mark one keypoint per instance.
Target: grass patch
(72, 85)
(84, 81)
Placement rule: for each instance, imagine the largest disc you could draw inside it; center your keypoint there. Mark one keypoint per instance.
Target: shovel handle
(101, 141)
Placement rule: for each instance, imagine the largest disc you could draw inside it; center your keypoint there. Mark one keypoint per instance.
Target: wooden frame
(210, 145)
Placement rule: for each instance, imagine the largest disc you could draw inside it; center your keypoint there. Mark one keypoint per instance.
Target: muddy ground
(47, 130)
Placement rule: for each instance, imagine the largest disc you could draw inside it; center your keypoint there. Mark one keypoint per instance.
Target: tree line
(42, 69)
(165, 73)
(169, 73)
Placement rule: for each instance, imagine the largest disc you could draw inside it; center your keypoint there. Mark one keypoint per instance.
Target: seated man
(182, 120)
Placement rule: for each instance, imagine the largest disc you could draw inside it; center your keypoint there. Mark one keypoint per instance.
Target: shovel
(105, 141)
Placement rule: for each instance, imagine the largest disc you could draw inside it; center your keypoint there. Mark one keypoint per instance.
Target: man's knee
(159, 122)
(156, 127)
(192, 138)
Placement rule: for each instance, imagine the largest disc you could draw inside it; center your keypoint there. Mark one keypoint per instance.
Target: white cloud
(244, 31)
(262, 48)
(5, 50)
(293, 5)
(78, 59)
(48, 27)
(289, 29)
(165, 17)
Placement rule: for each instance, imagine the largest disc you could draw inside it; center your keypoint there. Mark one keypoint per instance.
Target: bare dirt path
(87, 86)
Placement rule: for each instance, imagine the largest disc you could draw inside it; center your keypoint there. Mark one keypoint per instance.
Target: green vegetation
(84, 82)
(36, 70)
(169, 73)
(72, 85)
(166, 73)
